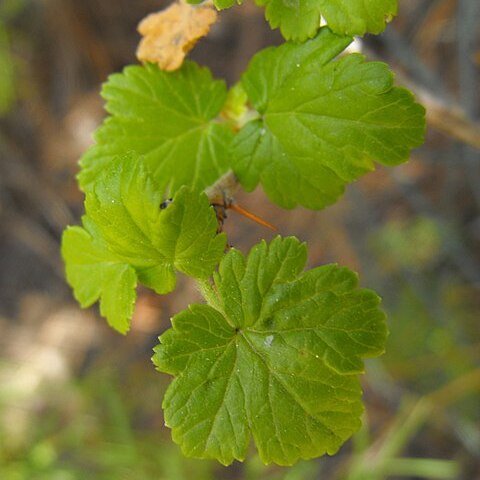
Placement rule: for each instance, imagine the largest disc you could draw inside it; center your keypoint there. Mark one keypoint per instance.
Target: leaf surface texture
(274, 354)
(323, 122)
(127, 238)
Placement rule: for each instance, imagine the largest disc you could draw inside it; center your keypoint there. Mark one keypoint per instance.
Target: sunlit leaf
(128, 237)
(170, 118)
(323, 122)
(275, 355)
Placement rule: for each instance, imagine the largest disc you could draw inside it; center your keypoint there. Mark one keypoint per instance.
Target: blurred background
(78, 401)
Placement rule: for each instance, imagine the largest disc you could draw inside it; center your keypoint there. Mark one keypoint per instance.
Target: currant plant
(275, 351)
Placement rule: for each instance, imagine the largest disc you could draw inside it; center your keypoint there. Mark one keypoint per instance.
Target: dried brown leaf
(170, 34)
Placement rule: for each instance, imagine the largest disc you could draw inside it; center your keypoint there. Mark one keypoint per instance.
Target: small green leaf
(300, 19)
(127, 236)
(235, 108)
(275, 356)
(94, 273)
(323, 122)
(222, 4)
(167, 117)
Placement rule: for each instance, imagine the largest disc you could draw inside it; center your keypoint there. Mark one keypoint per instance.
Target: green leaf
(323, 122)
(235, 108)
(275, 355)
(300, 19)
(167, 117)
(128, 237)
(222, 4)
(94, 273)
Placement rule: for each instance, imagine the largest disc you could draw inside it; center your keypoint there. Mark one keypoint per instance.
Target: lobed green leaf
(323, 121)
(167, 117)
(300, 19)
(126, 237)
(275, 356)
(94, 272)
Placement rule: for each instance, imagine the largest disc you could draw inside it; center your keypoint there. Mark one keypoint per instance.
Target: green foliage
(323, 122)
(275, 354)
(126, 237)
(235, 108)
(169, 119)
(7, 75)
(222, 4)
(96, 273)
(320, 123)
(300, 19)
(10, 8)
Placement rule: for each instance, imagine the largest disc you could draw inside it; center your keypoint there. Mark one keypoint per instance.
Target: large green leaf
(300, 19)
(274, 355)
(127, 236)
(167, 117)
(323, 122)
